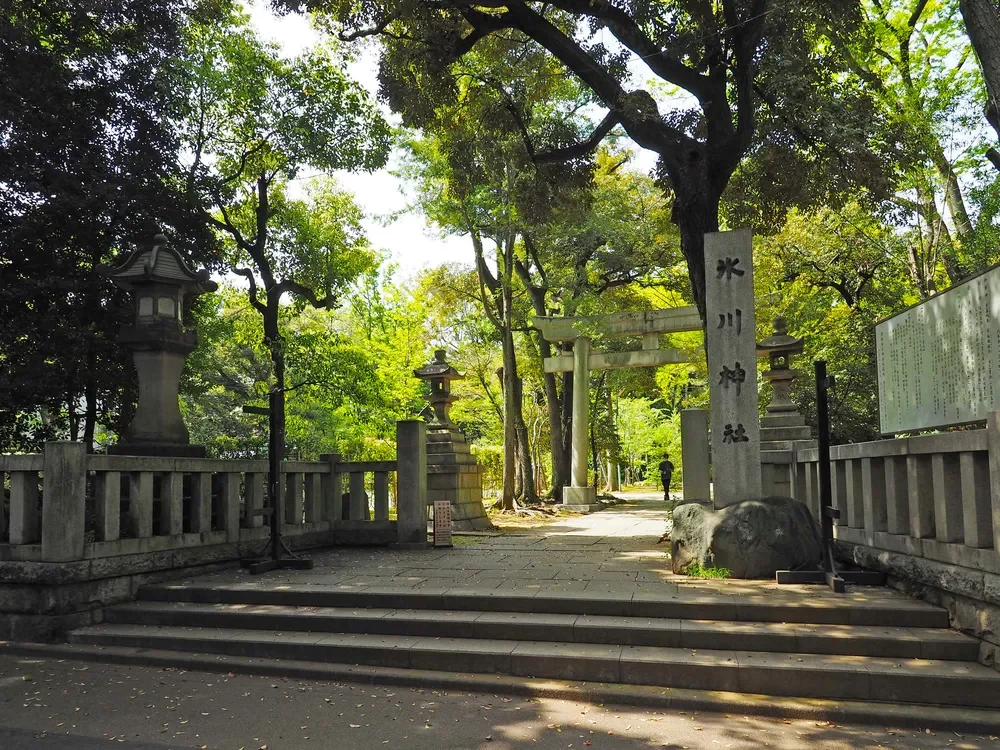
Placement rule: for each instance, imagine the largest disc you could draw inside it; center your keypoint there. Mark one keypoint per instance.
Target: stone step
(915, 716)
(777, 434)
(448, 447)
(848, 609)
(800, 675)
(927, 643)
(782, 420)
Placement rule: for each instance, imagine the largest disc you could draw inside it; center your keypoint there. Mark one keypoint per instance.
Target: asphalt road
(63, 705)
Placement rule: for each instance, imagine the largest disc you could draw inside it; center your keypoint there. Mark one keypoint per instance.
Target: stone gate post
(64, 497)
(411, 481)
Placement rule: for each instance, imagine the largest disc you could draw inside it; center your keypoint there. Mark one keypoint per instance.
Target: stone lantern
(452, 471)
(782, 427)
(440, 374)
(779, 348)
(159, 280)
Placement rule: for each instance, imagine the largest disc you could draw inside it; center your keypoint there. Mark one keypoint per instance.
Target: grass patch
(696, 570)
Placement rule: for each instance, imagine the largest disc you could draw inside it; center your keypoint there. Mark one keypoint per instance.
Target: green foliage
(88, 172)
(334, 387)
(696, 570)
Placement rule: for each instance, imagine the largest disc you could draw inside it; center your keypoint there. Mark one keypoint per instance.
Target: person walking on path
(666, 473)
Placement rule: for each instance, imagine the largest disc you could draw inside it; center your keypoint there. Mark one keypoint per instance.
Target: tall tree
(88, 171)
(710, 52)
(255, 121)
(982, 20)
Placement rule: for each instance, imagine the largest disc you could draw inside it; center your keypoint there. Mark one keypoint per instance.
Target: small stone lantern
(440, 374)
(453, 475)
(779, 348)
(159, 280)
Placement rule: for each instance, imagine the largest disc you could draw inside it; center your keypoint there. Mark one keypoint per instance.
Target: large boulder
(752, 539)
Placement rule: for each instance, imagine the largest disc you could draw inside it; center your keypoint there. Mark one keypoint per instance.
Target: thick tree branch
(254, 298)
(582, 148)
(308, 294)
(628, 32)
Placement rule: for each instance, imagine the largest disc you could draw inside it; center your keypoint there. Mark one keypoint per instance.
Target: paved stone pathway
(66, 705)
(617, 550)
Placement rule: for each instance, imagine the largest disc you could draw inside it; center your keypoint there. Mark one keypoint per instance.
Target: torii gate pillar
(649, 325)
(579, 495)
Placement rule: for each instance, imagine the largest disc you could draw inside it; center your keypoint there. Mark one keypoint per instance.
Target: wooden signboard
(442, 523)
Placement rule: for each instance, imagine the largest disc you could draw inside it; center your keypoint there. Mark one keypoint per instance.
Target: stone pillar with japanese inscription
(732, 367)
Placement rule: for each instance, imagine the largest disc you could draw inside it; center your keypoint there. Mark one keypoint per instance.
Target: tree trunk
(982, 21)
(695, 212)
(524, 460)
(275, 346)
(90, 396)
(507, 496)
(557, 444)
(953, 195)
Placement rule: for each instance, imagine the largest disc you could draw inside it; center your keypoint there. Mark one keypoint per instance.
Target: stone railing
(928, 495)
(925, 509)
(135, 504)
(68, 518)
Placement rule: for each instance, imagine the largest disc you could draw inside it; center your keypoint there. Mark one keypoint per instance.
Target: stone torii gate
(579, 495)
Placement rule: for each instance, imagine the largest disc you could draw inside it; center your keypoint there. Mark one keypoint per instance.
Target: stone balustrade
(924, 509)
(88, 529)
(138, 503)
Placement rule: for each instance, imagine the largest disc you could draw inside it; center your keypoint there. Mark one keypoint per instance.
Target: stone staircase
(864, 646)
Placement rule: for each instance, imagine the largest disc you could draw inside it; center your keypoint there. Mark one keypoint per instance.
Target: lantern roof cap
(439, 369)
(780, 341)
(159, 263)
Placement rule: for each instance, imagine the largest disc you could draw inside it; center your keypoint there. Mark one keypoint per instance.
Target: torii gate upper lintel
(649, 324)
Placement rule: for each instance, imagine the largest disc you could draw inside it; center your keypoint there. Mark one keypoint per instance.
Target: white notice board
(938, 361)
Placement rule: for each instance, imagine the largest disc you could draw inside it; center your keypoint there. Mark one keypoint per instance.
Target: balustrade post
(333, 489)
(172, 503)
(201, 502)
(64, 497)
(293, 498)
(897, 499)
(314, 497)
(854, 493)
(255, 500)
(381, 496)
(977, 518)
(359, 505)
(411, 480)
(229, 505)
(25, 522)
(993, 447)
(920, 490)
(838, 491)
(873, 489)
(140, 504)
(947, 484)
(107, 505)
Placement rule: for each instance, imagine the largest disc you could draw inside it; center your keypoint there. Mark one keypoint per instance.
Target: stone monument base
(751, 539)
(454, 475)
(169, 450)
(580, 499)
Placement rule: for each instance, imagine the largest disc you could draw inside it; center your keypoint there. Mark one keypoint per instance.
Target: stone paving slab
(615, 552)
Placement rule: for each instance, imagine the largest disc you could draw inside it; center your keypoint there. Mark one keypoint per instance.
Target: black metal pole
(825, 484)
(281, 556)
(275, 449)
(828, 572)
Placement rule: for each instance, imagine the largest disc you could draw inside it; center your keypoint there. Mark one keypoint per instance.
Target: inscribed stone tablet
(938, 362)
(732, 367)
